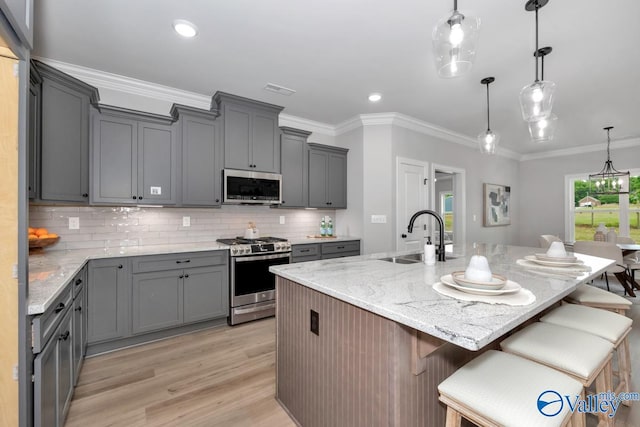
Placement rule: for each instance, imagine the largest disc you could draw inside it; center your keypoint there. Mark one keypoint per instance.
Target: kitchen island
(363, 341)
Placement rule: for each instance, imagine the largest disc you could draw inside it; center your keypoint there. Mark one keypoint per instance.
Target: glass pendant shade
(609, 180)
(454, 44)
(488, 141)
(536, 100)
(543, 130)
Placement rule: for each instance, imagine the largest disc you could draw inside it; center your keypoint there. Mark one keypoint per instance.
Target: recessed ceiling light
(375, 97)
(185, 28)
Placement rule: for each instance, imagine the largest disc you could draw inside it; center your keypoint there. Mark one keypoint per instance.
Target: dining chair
(608, 250)
(631, 261)
(545, 240)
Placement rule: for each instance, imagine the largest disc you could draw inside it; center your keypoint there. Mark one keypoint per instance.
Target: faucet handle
(404, 236)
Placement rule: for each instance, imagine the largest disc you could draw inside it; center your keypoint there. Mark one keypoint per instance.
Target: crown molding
(120, 83)
(619, 144)
(306, 124)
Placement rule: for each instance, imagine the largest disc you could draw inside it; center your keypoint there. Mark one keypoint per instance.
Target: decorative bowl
(43, 243)
(497, 281)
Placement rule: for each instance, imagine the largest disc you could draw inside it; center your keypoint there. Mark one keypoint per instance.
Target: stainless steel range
(253, 287)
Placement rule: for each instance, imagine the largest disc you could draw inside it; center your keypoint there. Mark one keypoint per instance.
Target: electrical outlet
(74, 223)
(14, 271)
(281, 219)
(315, 322)
(15, 372)
(378, 219)
(474, 217)
(186, 221)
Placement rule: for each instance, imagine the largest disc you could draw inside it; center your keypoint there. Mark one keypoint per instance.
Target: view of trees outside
(587, 218)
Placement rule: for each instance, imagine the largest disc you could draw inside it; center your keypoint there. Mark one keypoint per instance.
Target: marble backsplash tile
(107, 227)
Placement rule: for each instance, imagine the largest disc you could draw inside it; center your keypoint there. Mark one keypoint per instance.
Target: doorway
(448, 199)
(411, 196)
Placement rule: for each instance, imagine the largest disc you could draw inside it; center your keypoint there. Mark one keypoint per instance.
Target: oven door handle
(254, 309)
(262, 257)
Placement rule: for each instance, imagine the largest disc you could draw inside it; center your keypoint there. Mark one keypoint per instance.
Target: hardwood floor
(217, 377)
(220, 377)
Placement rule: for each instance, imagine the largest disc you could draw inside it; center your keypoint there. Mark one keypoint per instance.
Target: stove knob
(247, 250)
(234, 251)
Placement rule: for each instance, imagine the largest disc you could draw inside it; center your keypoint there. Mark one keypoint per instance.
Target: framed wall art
(497, 205)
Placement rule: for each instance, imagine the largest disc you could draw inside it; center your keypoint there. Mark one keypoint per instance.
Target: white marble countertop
(404, 293)
(51, 271)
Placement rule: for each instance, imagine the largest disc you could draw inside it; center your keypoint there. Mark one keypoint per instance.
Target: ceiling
(335, 52)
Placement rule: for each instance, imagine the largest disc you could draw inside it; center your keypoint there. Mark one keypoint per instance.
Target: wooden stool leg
(578, 419)
(603, 385)
(624, 367)
(454, 419)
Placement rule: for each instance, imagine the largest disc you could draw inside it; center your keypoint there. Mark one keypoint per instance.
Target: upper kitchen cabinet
(64, 134)
(19, 13)
(327, 176)
(294, 165)
(201, 155)
(33, 131)
(250, 133)
(134, 158)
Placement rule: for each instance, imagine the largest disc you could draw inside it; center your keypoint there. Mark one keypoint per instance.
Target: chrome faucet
(440, 251)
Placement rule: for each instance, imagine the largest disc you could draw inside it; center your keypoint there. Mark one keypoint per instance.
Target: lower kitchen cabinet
(315, 251)
(156, 301)
(108, 298)
(53, 376)
(79, 322)
(206, 293)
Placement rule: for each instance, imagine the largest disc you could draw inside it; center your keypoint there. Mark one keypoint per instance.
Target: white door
(411, 196)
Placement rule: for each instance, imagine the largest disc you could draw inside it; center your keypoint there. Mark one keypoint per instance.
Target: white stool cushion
(603, 323)
(587, 294)
(569, 350)
(505, 389)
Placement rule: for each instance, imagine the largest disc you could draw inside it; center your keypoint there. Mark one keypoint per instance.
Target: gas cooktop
(264, 245)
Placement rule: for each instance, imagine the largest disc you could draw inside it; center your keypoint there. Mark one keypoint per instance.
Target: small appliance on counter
(253, 288)
(251, 232)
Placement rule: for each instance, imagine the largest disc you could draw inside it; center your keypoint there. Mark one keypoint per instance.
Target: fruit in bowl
(41, 238)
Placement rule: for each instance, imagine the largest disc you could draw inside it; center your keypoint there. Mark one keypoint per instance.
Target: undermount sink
(412, 258)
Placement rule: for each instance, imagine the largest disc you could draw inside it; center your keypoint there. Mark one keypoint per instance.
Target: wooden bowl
(43, 243)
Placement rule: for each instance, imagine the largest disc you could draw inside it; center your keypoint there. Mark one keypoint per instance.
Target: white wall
(351, 221)
(543, 206)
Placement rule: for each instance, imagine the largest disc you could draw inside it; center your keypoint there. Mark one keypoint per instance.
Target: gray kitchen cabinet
(33, 129)
(201, 156)
(327, 176)
(108, 299)
(19, 13)
(64, 136)
(306, 252)
(206, 293)
(156, 301)
(53, 376)
(250, 133)
(134, 158)
(326, 250)
(79, 322)
(294, 164)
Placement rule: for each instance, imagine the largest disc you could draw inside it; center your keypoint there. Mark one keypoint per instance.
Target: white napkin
(522, 297)
(570, 271)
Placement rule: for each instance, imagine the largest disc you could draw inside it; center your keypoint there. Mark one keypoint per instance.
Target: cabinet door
(318, 165)
(64, 147)
(34, 138)
(65, 366)
(45, 385)
(337, 181)
(206, 293)
(115, 146)
(79, 333)
(201, 162)
(293, 168)
(237, 137)
(156, 300)
(265, 142)
(157, 161)
(107, 300)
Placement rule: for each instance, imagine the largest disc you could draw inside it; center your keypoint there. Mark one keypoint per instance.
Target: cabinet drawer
(305, 258)
(77, 283)
(45, 324)
(145, 264)
(305, 250)
(340, 248)
(340, 254)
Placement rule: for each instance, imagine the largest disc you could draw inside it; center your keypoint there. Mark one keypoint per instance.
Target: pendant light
(488, 139)
(543, 129)
(454, 43)
(609, 180)
(536, 100)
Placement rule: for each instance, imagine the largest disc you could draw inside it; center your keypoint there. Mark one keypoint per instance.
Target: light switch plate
(186, 221)
(281, 219)
(156, 191)
(378, 219)
(74, 223)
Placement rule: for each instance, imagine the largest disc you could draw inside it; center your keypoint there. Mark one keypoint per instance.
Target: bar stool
(610, 326)
(500, 389)
(599, 298)
(565, 349)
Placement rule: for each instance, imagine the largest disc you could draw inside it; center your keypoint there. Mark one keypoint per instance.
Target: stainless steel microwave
(241, 187)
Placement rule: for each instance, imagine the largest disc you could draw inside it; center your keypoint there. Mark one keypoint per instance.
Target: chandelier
(609, 180)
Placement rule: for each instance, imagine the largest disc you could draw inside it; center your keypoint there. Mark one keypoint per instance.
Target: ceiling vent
(279, 89)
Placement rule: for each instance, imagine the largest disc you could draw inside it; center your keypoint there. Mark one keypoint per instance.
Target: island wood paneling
(357, 371)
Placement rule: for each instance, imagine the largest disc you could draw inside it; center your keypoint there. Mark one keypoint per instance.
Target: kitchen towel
(522, 297)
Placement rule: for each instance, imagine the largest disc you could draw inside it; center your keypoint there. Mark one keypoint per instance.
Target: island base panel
(358, 371)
